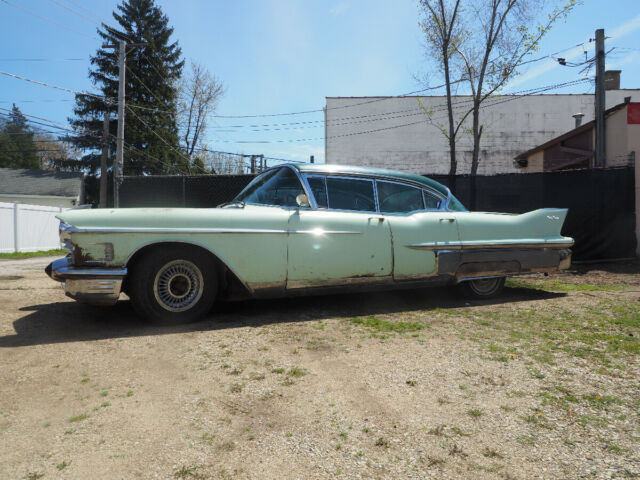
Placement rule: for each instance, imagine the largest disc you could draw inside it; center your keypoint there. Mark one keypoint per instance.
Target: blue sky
(279, 56)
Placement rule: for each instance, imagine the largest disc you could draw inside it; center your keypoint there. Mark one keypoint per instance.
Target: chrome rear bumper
(97, 286)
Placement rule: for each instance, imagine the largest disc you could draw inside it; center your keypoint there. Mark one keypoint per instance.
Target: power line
(46, 19)
(42, 59)
(64, 89)
(75, 12)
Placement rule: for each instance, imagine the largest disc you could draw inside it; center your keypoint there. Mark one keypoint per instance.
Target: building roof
(371, 172)
(17, 181)
(571, 133)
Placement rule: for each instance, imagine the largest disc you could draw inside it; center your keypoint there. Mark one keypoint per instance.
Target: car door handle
(380, 219)
(447, 219)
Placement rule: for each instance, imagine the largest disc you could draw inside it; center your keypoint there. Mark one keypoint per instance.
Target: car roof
(370, 171)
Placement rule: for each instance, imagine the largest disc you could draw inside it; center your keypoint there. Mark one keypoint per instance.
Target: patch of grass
(614, 449)
(297, 372)
(411, 383)
(491, 453)
(130, 393)
(343, 436)
(435, 461)
(561, 287)
(526, 440)
(438, 430)
(278, 370)
(456, 450)
(475, 412)
(63, 465)
(104, 393)
(458, 431)
(236, 388)
(34, 475)
(227, 446)
(187, 472)
(382, 442)
(78, 418)
(380, 325)
(256, 376)
(41, 253)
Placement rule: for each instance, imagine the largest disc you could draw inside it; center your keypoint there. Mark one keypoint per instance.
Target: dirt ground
(540, 383)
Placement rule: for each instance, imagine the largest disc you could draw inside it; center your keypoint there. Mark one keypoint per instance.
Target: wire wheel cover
(485, 286)
(178, 285)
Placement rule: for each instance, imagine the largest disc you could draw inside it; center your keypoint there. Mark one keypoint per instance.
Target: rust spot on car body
(80, 257)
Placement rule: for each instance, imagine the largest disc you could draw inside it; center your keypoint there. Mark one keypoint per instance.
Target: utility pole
(120, 138)
(103, 161)
(600, 100)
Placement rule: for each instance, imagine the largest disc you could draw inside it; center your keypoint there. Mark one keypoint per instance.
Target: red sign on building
(633, 114)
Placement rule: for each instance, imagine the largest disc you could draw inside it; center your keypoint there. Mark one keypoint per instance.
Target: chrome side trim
(476, 246)
(211, 230)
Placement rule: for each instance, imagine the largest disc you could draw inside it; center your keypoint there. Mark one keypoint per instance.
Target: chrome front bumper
(96, 286)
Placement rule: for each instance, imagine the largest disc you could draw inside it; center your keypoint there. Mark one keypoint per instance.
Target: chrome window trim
(423, 191)
(305, 188)
(360, 178)
(326, 192)
(423, 188)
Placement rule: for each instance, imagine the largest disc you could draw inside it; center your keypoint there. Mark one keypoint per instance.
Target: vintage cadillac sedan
(301, 229)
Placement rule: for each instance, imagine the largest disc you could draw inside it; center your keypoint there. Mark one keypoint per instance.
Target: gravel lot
(541, 383)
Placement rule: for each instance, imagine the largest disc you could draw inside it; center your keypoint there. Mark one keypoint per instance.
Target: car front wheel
(173, 287)
(482, 288)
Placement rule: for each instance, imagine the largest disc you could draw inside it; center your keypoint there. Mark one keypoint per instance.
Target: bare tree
(491, 38)
(440, 25)
(199, 94)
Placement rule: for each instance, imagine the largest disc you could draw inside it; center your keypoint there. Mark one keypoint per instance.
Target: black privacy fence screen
(601, 202)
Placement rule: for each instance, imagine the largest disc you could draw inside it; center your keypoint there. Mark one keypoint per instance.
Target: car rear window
(398, 198)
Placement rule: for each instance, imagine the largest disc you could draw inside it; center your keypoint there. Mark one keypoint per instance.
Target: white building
(395, 132)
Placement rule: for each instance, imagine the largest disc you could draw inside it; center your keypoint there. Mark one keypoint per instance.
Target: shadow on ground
(73, 322)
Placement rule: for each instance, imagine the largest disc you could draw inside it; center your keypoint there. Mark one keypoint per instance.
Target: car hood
(158, 217)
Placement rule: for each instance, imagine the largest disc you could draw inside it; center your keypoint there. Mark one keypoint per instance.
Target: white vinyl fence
(28, 228)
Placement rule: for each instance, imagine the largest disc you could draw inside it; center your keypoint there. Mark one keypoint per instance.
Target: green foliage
(17, 147)
(152, 72)
(384, 326)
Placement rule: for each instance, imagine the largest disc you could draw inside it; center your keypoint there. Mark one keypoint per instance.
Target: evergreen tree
(152, 72)
(17, 148)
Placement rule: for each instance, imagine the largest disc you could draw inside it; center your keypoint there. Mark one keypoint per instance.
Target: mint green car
(302, 229)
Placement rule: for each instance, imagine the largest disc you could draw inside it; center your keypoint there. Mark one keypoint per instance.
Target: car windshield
(273, 187)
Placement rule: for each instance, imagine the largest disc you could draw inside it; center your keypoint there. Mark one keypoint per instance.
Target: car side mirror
(302, 200)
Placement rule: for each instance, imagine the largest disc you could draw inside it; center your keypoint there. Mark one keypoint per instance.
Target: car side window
(279, 187)
(398, 198)
(431, 202)
(319, 189)
(351, 194)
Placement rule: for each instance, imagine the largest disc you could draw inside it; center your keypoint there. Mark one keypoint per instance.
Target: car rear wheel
(173, 287)
(482, 288)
